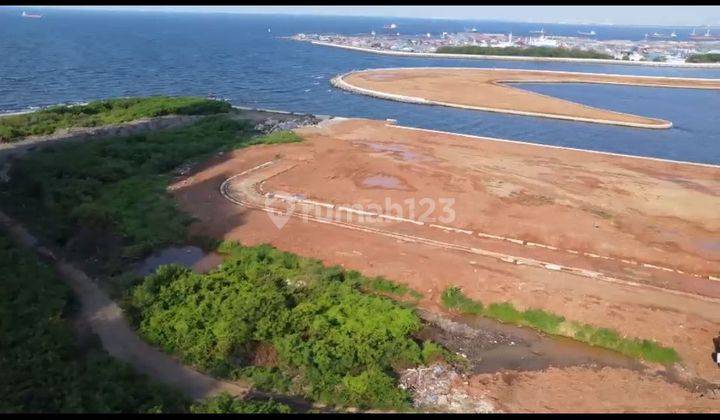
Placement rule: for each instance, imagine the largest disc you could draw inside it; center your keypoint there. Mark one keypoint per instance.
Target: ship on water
(31, 15)
(663, 36)
(706, 37)
(591, 33)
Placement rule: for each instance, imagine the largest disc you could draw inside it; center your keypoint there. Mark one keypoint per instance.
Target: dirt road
(106, 319)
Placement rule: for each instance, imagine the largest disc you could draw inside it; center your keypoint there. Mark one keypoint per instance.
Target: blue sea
(73, 56)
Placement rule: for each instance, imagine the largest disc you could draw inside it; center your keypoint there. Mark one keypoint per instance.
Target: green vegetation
(331, 341)
(384, 286)
(704, 58)
(43, 370)
(227, 404)
(550, 323)
(111, 111)
(453, 298)
(524, 52)
(107, 198)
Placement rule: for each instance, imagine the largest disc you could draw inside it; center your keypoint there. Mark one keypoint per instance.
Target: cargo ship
(30, 15)
(706, 37)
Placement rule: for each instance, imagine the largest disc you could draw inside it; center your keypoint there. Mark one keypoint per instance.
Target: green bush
(524, 52)
(704, 58)
(432, 352)
(339, 344)
(453, 298)
(110, 111)
(227, 404)
(117, 187)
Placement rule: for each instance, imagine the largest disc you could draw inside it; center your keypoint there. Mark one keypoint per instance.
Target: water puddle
(490, 346)
(396, 149)
(711, 245)
(382, 181)
(189, 256)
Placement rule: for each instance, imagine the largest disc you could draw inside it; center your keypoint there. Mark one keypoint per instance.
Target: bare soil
(649, 220)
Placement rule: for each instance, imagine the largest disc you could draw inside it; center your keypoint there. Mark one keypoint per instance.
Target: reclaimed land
(489, 90)
(541, 227)
(335, 160)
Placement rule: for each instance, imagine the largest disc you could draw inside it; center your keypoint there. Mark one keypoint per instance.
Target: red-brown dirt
(642, 211)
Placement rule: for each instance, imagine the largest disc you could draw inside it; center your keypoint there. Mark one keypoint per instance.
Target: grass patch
(453, 298)
(110, 111)
(525, 52)
(382, 285)
(279, 137)
(550, 323)
(334, 343)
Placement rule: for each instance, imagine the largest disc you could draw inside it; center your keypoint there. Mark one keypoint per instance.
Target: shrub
(43, 370)
(117, 186)
(525, 52)
(227, 404)
(453, 298)
(339, 343)
(110, 111)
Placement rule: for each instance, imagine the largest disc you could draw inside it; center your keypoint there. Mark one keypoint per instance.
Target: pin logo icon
(277, 216)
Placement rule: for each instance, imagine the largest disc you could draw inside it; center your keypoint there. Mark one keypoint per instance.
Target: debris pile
(271, 125)
(436, 387)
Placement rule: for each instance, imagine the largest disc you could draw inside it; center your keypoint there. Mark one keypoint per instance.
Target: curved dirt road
(245, 189)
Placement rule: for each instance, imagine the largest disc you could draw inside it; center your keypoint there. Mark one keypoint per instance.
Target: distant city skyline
(597, 15)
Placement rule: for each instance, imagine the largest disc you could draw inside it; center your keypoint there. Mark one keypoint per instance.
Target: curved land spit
(488, 90)
(614, 241)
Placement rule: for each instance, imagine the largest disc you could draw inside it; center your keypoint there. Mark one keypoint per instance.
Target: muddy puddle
(490, 346)
(382, 181)
(396, 149)
(189, 256)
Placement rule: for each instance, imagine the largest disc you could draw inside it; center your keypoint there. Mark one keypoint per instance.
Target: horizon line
(161, 9)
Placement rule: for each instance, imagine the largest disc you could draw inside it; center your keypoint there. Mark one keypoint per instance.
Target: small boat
(390, 26)
(31, 15)
(591, 33)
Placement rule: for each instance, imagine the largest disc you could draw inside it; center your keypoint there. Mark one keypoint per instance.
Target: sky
(618, 15)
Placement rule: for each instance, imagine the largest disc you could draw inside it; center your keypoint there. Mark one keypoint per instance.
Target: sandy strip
(487, 90)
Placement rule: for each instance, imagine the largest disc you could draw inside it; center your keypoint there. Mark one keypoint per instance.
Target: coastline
(340, 83)
(519, 58)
